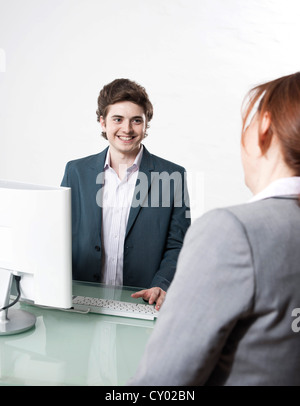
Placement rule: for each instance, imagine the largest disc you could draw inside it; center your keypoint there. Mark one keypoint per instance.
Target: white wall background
(196, 59)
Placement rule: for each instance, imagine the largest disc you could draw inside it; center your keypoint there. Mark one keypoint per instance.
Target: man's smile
(125, 137)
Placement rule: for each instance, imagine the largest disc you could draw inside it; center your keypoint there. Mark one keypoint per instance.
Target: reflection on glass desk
(66, 348)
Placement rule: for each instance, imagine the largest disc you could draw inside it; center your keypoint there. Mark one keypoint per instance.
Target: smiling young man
(124, 232)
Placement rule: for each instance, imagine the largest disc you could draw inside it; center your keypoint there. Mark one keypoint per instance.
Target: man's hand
(153, 295)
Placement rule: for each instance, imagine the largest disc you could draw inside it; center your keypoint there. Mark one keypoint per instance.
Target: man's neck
(121, 161)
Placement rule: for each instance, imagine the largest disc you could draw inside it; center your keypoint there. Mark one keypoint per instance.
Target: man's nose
(127, 126)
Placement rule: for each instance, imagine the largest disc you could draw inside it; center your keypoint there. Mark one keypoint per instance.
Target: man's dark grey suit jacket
(155, 229)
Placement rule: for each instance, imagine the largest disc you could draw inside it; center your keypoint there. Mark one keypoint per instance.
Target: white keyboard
(115, 307)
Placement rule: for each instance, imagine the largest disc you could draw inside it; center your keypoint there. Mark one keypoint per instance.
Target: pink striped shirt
(117, 198)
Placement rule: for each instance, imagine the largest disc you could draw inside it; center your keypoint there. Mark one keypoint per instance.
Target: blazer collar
(146, 167)
(147, 163)
(97, 161)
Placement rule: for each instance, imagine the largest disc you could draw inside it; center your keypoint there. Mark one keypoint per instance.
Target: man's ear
(265, 132)
(102, 122)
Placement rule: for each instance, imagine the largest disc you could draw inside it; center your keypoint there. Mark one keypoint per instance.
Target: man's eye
(117, 120)
(137, 121)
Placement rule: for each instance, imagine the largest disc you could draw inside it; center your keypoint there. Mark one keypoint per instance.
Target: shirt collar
(136, 164)
(280, 187)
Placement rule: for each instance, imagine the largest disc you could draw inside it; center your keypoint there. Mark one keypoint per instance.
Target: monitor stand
(15, 321)
(12, 321)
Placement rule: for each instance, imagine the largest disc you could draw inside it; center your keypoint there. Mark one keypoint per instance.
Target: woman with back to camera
(239, 269)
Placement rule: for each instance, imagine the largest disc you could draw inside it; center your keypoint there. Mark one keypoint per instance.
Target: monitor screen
(35, 244)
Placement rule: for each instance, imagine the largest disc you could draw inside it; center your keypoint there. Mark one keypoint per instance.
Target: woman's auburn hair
(280, 98)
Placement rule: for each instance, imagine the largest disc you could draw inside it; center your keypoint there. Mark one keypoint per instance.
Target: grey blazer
(227, 318)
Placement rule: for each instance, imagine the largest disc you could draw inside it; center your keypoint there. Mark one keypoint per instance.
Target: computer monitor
(35, 249)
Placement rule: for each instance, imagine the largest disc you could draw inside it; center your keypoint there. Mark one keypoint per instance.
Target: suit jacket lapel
(97, 167)
(142, 187)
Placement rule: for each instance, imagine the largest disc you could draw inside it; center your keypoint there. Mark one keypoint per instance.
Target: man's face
(125, 126)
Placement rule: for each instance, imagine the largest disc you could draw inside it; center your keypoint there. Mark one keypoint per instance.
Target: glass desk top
(67, 348)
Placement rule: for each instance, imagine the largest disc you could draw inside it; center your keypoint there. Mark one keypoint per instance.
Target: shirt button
(97, 248)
